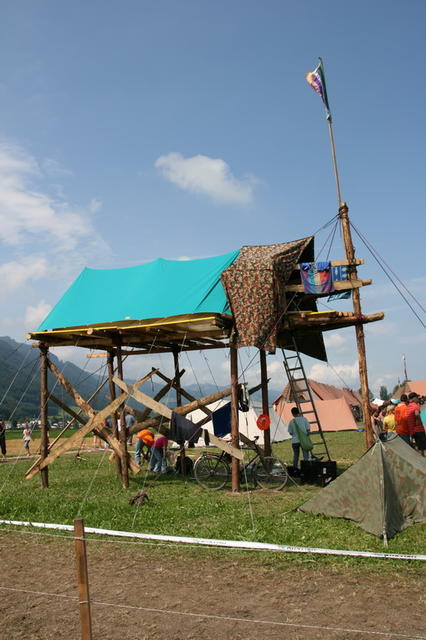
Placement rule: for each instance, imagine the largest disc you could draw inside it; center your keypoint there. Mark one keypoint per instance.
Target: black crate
(318, 471)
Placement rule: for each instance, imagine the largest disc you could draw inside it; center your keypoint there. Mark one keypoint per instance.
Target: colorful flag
(316, 79)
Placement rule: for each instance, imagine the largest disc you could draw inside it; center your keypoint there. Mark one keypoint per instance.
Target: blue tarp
(157, 289)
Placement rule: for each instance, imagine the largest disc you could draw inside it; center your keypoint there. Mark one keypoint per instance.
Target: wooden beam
(340, 263)
(80, 402)
(164, 411)
(235, 432)
(75, 439)
(338, 285)
(328, 324)
(68, 409)
(226, 446)
(44, 401)
(71, 442)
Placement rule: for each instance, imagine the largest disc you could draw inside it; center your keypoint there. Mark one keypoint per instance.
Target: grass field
(89, 488)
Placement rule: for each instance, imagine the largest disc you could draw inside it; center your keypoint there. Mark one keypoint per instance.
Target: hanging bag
(304, 439)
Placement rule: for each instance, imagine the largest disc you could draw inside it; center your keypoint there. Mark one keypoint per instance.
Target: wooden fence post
(83, 580)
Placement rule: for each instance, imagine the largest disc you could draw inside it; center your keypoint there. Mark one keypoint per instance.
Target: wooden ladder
(302, 396)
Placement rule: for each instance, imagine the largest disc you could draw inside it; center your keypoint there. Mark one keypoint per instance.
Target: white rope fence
(211, 542)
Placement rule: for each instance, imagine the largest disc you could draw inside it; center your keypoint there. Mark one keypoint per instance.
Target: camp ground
(205, 270)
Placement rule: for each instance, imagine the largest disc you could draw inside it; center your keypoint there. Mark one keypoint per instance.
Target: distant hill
(20, 383)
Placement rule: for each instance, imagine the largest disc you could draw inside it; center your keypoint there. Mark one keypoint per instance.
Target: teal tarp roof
(157, 289)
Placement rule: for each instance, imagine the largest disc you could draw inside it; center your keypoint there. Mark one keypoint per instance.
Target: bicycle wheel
(270, 473)
(211, 472)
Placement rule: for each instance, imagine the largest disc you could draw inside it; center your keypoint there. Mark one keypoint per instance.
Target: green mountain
(20, 382)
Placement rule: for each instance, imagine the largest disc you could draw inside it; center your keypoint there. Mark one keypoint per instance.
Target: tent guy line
(212, 542)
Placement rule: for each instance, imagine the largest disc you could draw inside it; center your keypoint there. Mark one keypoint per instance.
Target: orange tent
(334, 415)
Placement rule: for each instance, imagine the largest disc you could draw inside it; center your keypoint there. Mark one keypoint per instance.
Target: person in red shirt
(158, 452)
(401, 419)
(417, 430)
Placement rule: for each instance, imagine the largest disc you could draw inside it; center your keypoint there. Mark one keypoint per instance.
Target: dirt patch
(15, 447)
(249, 599)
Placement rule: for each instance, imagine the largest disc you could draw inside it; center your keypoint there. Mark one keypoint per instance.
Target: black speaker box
(318, 471)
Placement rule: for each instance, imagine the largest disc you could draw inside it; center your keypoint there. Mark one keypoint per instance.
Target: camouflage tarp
(383, 493)
(255, 283)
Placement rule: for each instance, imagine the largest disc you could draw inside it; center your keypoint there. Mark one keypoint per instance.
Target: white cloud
(382, 328)
(94, 205)
(27, 212)
(207, 176)
(35, 314)
(339, 375)
(14, 275)
(335, 341)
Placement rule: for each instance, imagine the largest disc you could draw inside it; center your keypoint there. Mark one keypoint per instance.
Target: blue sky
(134, 130)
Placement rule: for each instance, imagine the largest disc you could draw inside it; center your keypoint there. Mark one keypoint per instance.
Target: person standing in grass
(3, 438)
(299, 429)
(27, 437)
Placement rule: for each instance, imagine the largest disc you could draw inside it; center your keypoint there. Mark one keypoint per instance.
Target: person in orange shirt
(143, 438)
(401, 419)
(417, 430)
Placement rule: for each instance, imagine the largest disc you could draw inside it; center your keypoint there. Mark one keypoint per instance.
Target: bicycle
(212, 470)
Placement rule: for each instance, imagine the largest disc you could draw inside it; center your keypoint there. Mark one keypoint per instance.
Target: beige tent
(334, 415)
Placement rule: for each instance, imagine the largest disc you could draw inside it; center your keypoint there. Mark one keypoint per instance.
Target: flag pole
(316, 80)
(333, 153)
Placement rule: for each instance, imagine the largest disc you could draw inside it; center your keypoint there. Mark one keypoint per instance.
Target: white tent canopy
(247, 423)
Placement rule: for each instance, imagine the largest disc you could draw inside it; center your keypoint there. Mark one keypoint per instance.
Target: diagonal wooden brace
(164, 411)
(72, 441)
(85, 406)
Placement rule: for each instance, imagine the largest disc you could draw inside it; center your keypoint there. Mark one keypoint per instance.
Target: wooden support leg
(83, 580)
(44, 446)
(235, 469)
(123, 431)
(265, 400)
(179, 404)
(112, 394)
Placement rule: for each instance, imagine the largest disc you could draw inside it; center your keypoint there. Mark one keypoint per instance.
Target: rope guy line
(379, 262)
(221, 618)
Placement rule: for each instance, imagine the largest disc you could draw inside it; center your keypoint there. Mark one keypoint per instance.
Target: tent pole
(123, 430)
(234, 415)
(265, 399)
(44, 444)
(179, 404)
(359, 329)
(112, 395)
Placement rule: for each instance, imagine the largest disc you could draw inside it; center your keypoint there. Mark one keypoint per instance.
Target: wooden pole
(359, 329)
(112, 395)
(123, 430)
(356, 300)
(44, 395)
(83, 580)
(176, 380)
(235, 469)
(265, 400)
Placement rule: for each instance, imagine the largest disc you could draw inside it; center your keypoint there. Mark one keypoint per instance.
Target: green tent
(383, 493)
